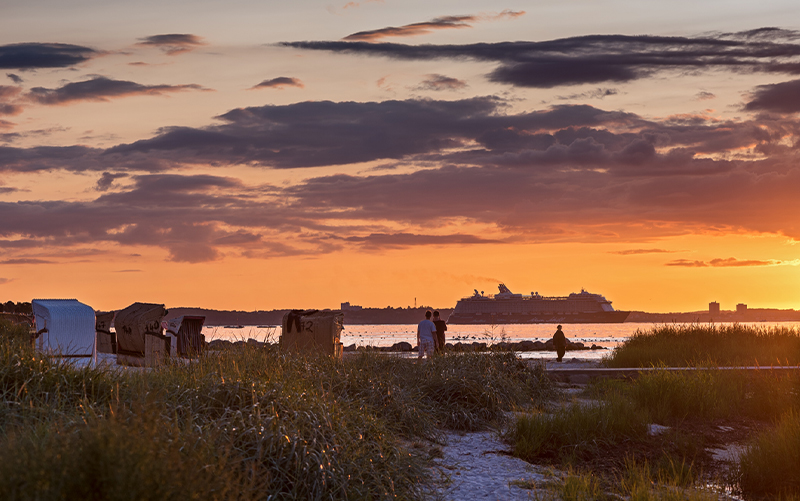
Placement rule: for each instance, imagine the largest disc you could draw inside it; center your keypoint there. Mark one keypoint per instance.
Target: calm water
(606, 335)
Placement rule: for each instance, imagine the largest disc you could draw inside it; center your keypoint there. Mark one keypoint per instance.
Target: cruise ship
(505, 307)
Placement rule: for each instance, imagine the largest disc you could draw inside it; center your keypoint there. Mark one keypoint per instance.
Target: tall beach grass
(709, 345)
(770, 466)
(577, 432)
(244, 423)
(671, 397)
(599, 433)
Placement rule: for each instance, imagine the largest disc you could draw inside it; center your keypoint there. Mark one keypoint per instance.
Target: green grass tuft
(579, 432)
(771, 464)
(708, 345)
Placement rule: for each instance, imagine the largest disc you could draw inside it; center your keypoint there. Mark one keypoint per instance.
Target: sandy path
(476, 466)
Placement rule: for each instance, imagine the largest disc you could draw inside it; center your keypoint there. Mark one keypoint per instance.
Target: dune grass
(578, 432)
(638, 481)
(708, 345)
(770, 466)
(671, 397)
(596, 435)
(245, 423)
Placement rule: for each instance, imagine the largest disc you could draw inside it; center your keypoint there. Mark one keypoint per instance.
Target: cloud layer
(596, 59)
(101, 89)
(481, 173)
(423, 28)
(173, 44)
(436, 172)
(279, 83)
(29, 56)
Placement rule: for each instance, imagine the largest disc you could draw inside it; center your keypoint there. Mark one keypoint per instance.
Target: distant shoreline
(400, 316)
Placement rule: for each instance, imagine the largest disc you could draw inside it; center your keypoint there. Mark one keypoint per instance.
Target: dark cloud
(687, 263)
(727, 262)
(8, 97)
(597, 59)
(5, 280)
(409, 30)
(732, 261)
(173, 44)
(592, 94)
(10, 109)
(25, 261)
(7, 189)
(107, 179)
(279, 83)
(423, 28)
(128, 271)
(780, 98)
(400, 240)
(438, 82)
(8, 92)
(566, 173)
(72, 158)
(324, 133)
(101, 89)
(195, 218)
(29, 56)
(632, 252)
(704, 95)
(15, 78)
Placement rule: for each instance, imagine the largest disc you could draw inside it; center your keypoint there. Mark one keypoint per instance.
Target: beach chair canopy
(64, 326)
(189, 332)
(106, 340)
(313, 331)
(133, 323)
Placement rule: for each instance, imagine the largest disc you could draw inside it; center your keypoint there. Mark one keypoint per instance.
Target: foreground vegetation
(252, 423)
(242, 424)
(708, 345)
(610, 434)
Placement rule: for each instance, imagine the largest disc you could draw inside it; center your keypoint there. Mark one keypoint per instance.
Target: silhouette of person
(441, 327)
(560, 343)
(426, 336)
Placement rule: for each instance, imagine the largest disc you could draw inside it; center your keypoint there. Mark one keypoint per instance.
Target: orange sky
(263, 156)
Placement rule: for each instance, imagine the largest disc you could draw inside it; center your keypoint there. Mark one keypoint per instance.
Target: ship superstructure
(505, 307)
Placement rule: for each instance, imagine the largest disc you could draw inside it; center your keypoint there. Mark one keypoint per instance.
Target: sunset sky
(263, 155)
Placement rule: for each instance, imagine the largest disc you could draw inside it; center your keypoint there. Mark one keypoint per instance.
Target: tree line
(12, 307)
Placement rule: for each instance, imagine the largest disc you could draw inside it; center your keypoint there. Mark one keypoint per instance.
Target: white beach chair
(65, 328)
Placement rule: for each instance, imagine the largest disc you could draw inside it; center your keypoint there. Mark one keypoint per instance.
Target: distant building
(351, 307)
(713, 308)
(741, 308)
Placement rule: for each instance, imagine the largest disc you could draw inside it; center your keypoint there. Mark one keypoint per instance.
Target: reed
(709, 345)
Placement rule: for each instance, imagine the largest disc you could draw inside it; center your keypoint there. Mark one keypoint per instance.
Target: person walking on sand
(426, 336)
(560, 342)
(441, 326)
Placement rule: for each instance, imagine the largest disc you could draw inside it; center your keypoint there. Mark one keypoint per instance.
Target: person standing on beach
(426, 336)
(560, 342)
(441, 326)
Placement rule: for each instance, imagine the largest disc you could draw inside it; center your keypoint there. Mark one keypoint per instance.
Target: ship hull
(605, 317)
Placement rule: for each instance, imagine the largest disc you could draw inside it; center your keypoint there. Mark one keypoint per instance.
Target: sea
(607, 336)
